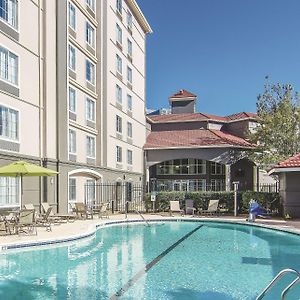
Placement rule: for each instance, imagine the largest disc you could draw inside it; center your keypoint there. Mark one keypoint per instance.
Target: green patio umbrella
(23, 168)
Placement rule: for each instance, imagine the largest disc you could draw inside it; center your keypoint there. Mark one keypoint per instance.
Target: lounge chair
(175, 208)
(212, 209)
(31, 206)
(103, 211)
(82, 211)
(57, 217)
(4, 226)
(26, 222)
(189, 207)
(45, 220)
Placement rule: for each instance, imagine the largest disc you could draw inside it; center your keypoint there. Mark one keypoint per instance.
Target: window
(129, 47)
(119, 64)
(119, 94)
(129, 129)
(217, 169)
(118, 124)
(9, 66)
(129, 102)
(91, 4)
(9, 123)
(72, 16)
(90, 194)
(119, 34)
(9, 192)
(90, 146)
(90, 110)
(119, 6)
(72, 58)
(129, 157)
(119, 154)
(129, 19)
(90, 72)
(72, 100)
(217, 184)
(9, 12)
(90, 34)
(182, 167)
(72, 189)
(72, 141)
(129, 74)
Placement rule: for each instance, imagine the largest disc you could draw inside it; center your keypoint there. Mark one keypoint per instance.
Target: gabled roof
(242, 115)
(200, 138)
(291, 164)
(182, 94)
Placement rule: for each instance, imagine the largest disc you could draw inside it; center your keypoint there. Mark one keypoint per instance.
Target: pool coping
(92, 229)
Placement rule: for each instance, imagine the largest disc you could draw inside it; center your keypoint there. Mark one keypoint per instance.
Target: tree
(278, 130)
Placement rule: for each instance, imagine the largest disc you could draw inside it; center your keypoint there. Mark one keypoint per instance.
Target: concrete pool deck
(83, 228)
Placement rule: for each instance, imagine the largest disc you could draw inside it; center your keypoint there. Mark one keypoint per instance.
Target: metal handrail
(142, 217)
(276, 278)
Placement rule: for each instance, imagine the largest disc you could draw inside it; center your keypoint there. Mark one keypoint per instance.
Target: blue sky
(221, 50)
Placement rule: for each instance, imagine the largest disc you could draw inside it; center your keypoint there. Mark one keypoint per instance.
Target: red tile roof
(193, 138)
(242, 115)
(292, 162)
(183, 94)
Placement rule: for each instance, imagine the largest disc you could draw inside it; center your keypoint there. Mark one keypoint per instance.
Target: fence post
(236, 188)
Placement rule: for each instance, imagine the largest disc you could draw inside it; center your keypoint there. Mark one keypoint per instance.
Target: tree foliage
(277, 133)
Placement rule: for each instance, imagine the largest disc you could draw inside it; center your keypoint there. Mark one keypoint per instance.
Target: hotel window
(90, 110)
(72, 189)
(129, 47)
(119, 94)
(9, 12)
(72, 58)
(9, 123)
(182, 167)
(129, 157)
(72, 16)
(119, 64)
(119, 154)
(90, 34)
(118, 124)
(119, 34)
(129, 129)
(9, 66)
(90, 194)
(129, 102)
(119, 6)
(72, 100)
(217, 169)
(90, 72)
(90, 146)
(9, 192)
(217, 184)
(72, 141)
(129, 19)
(129, 74)
(91, 4)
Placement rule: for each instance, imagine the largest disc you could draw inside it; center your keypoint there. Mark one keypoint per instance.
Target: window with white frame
(129, 157)
(90, 146)
(72, 100)
(90, 34)
(9, 192)
(90, 194)
(72, 58)
(9, 12)
(217, 184)
(129, 74)
(9, 123)
(119, 154)
(129, 129)
(72, 141)
(119, 94)
(90, 110)
(72, 16)
(72, 189)
(119, 34)
(9, 66)
(119, 64)
(119, 6)
(91, 4)
(118, 124)
(217, 169)
(90, 72)
(129, 19)
(129, 102)
(129, 47)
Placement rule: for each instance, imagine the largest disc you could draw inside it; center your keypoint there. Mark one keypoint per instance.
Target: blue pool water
(174, 260)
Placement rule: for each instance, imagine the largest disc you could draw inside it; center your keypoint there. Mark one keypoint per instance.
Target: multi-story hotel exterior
(72, 96)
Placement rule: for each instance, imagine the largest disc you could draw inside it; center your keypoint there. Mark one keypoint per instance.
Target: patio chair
(26, 222)
(189, 207)
(175, 208)
(82, 211)
(103, 211)
(212, 209)
(4, 226)
(57, 217)
(45, 219)
(31, 206)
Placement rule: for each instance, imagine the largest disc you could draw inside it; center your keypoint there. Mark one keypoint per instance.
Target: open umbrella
(23, 168)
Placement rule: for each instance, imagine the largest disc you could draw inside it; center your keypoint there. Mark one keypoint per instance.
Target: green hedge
(201, 199)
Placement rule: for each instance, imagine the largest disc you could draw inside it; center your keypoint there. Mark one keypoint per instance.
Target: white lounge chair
(175, 208)
(213, 208)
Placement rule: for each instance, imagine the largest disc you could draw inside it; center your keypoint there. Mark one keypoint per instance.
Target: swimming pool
(170, 260)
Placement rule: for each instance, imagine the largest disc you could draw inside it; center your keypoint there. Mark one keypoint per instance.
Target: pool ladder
(278, 277)
(142, 217)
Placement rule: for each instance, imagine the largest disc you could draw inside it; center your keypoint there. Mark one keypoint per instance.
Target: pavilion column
(227, 178)
(255, 178)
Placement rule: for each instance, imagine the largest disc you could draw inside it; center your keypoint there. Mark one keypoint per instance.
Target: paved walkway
(83, 227)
